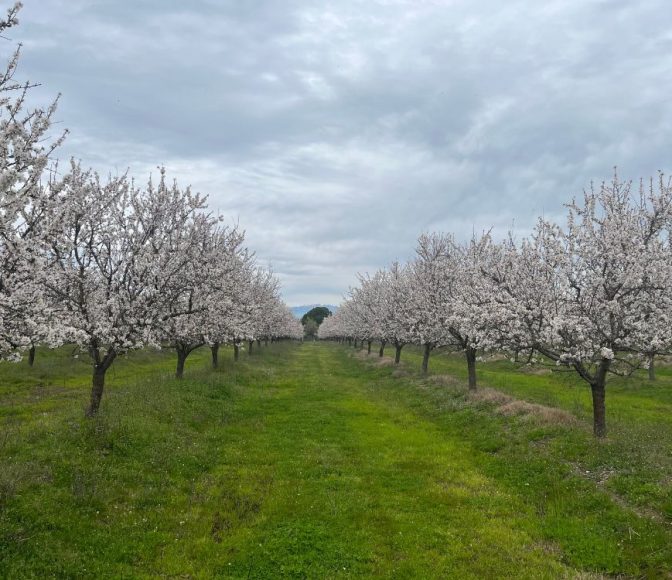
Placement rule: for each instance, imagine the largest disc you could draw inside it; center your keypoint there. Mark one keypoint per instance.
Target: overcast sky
(336, 132)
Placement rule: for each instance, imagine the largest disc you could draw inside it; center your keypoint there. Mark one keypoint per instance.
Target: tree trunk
(425, 357)
(97, 386)
(182, 354)
(236, 350)
(381, 352)
(355, 345)
(259, 342)
(214, 349)
(597, 387)
(100, 366)
(470, 353)
(250, 344)
(368, 347)
(31, 356)
(265, 342)
(652, 368)
(397, 353)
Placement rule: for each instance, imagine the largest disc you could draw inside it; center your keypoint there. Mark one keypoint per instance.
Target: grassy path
(359, 484)
(302, 462)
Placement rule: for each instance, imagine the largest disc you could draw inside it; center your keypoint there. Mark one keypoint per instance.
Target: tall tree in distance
(312, 320)
(318, 314)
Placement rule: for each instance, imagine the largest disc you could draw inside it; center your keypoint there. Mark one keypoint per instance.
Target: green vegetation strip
(306, 462)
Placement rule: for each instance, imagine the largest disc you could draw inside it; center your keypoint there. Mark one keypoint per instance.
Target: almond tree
(398, 319)
(200, 310)
(25, 150)
(581, 294)
(467, 295)
(367, 304)
(264, 296)
(115, 263)
(232, 278)
(429, 296)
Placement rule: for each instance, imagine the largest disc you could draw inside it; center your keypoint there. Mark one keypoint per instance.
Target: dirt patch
(550, 415)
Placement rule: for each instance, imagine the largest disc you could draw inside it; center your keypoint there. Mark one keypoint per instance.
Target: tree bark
(214, 350)
(250, 344)
(381, 352)
(470, 353)
(652, 368)
(597, 387)
(355, 345)
(182, 354)
(98, 381)
(97, 387)
(368, 347)
(31, 356)
(397, 353)
(236, 350)
(425, 357)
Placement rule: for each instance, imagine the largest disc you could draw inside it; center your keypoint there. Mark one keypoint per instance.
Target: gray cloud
(336, 132)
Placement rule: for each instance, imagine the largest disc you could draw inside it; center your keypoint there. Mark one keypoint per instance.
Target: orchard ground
(316, 460)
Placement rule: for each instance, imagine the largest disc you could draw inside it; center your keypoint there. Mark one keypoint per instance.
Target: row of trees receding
(112, 266)
(593, 295)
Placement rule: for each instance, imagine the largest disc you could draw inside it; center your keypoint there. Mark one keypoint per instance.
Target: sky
(335, 133)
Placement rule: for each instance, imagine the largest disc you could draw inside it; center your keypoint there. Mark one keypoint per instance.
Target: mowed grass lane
(303, 462)
(634, 463)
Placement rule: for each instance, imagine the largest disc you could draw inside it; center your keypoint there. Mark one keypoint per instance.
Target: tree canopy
(318, 314)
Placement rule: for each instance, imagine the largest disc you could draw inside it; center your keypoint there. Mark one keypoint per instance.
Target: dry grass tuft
(550, 415)
(443, 380)
(491, 396)
(384, 362)
(361, 354)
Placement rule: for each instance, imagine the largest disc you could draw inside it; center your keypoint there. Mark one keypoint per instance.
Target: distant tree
(310, 328)
(318, 314)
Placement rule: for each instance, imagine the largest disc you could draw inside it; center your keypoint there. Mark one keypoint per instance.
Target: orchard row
(111, 266)
(593, 295)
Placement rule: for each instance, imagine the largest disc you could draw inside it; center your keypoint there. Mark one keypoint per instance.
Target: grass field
(315, 461)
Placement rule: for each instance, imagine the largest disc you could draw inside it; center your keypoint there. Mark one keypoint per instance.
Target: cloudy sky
(336, 132)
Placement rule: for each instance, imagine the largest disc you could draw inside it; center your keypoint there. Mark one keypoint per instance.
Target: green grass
(305, 461)
(635, 462)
